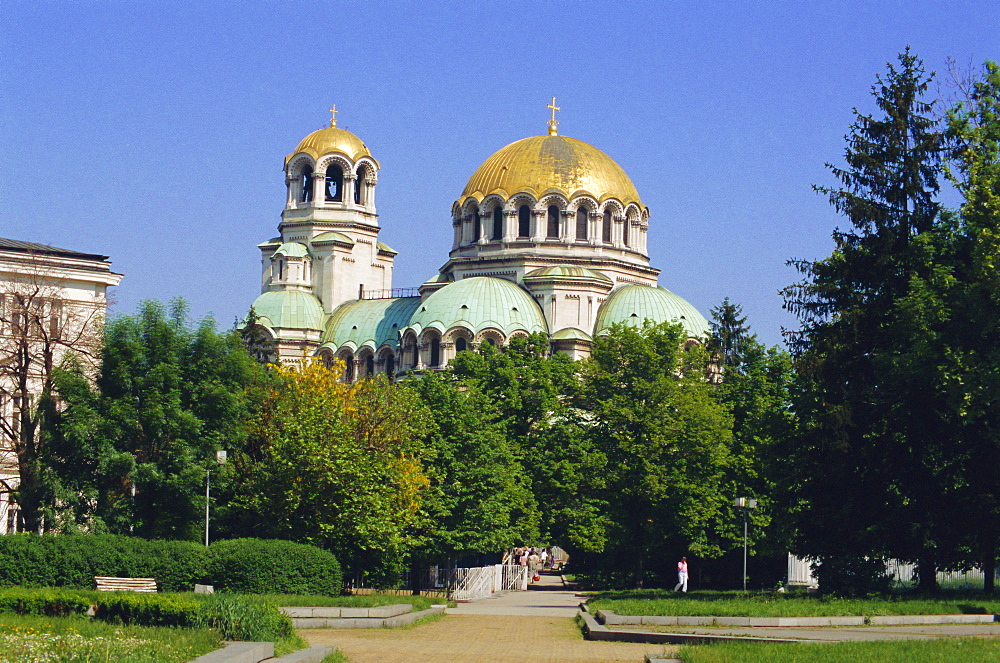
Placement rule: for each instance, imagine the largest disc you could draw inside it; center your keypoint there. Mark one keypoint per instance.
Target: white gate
(482, 582)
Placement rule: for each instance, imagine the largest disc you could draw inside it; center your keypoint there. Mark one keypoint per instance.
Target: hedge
(264, 566)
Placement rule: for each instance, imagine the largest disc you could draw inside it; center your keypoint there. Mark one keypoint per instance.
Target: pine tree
(867, 387)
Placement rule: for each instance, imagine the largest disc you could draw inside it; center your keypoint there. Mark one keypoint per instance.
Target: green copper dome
(479, 303)
(633, 304)
(293, 250)
(291, 309)
(564, 273)
(371, 322)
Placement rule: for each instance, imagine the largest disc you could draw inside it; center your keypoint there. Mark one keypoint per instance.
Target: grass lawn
(361, 601)
(81, 639)
(898, 651)
(737, 604)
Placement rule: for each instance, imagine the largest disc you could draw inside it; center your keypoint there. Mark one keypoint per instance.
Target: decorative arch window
(334, 182)
(553, 225)
(523, 221)
(497, 223)
(606, 227)
(390, 365)
(460, 344)
(581, 223)
(435, 352)
(477, 225)
(625, 231)
(370, 366)
(359, 186)
(306, 181)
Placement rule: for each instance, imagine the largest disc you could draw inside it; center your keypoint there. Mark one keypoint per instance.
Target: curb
(597, 631)
(614, 619)
(239, 652)
(363, 622)
(313, 654)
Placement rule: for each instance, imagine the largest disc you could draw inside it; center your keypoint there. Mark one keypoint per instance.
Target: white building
(549, 236)
(52, 301)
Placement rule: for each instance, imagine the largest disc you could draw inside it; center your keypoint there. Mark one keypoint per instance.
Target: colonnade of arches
(432, 351)
(332, 180)
(553, 219)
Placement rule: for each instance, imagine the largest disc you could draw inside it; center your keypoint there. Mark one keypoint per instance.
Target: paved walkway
(536, 625)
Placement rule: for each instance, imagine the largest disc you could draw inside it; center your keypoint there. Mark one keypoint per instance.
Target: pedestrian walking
(682, 575)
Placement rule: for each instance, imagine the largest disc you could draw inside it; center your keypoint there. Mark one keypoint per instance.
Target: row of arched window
(552, 226)
(333, 187)
(410, 358)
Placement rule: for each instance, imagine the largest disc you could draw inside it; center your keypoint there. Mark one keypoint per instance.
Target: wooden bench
(105, 584)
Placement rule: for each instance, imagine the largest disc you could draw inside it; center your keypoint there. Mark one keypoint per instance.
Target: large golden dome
(551, 164)
(331, 139)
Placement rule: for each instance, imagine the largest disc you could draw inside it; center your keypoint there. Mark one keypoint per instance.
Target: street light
(745, 504)
(220, 458)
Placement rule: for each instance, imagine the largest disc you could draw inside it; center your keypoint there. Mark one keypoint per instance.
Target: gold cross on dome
(333, 116)
(552, 123)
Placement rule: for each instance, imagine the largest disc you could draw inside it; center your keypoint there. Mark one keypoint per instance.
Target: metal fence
(456, 584)
(903, 575)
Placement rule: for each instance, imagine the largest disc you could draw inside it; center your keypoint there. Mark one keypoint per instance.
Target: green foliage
(131, 455)
(667, 444)
(479, 497)
(260, 566)
(895, 651)
(852, 575)
(874, 460)
(31, 560)
(48, 602)
(243, 618)
(147, 609)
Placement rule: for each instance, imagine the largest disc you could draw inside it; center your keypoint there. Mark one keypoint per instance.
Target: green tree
(335, 465)
(131, 453)
(479, 499)
(867, 461)
(667, 443)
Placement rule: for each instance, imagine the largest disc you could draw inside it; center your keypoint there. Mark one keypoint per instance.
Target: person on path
(682, 575)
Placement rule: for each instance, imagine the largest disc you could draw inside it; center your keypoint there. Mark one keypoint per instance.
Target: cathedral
(549, 236)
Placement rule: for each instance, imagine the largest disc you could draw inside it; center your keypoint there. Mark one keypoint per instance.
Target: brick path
(465, 638)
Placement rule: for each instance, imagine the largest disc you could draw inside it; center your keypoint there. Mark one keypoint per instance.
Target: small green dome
(371, 322)
(332, 236)
(633, 304)
(291, 309)
(571, 334)
(293, 250)
(479, 303)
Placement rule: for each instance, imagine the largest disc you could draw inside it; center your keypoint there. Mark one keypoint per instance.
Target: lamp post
(745, 504)
(220, 458)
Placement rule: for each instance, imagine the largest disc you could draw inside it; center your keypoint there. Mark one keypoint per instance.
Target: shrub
(243, 618)
(262, 566)
(852, 576)
(43, 602)
(147, 609)
(29, 560)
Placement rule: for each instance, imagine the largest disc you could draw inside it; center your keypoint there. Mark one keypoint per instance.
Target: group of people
(533, 558)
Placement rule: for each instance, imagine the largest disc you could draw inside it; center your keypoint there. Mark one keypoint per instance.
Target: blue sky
(155, 132)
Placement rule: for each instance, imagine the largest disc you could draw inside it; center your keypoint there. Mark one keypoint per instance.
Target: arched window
(553, 230)
(435, 352)
(349, 368)
(416, 355)
(370, 366)
(307, 184)
(390, 365)
(497, 223)
(523, 221)
(581, 223)
(334, 182)
(477, 223)
(281, 270)
(460, 344)
(606, 228)
(359, 186)
(625, 231)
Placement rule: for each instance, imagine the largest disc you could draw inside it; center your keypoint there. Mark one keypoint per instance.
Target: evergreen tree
(867, 460)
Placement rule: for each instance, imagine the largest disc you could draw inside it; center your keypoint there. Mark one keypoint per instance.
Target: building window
(460, 344)
(477, 226)
(390, 365)
(497, 223)
(606, 227)
(306, 194)
(553, 225)
(334, 183)
(435, 352)
(581, 223)
(349, 368)
(55, 318)
(625, 231)
(523, 221)
(359, 186)
(370, 366)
